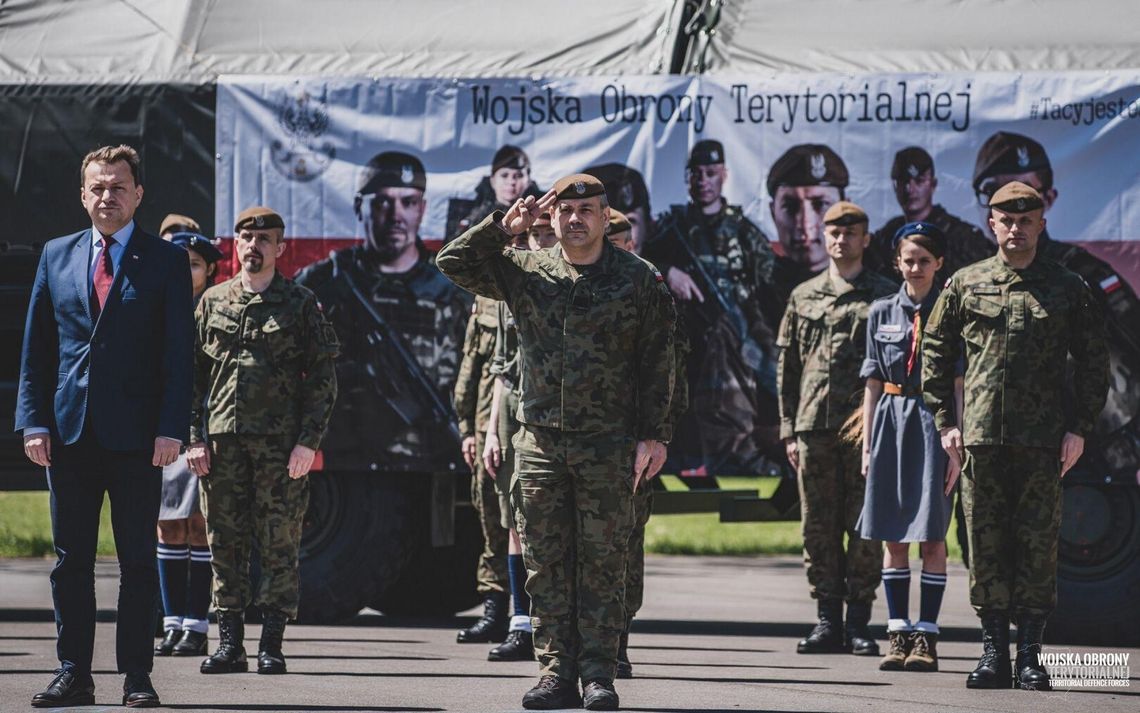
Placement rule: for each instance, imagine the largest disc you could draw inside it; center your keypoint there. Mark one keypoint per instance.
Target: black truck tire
(356, 542)
(439, 581)
(1098, 575)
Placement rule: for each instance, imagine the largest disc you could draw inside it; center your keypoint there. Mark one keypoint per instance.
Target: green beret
(1008, 153)
(844, 213)
(258, 218)
(911, 162)
(1016, 197)
(618, 223)
(808, 165)
(392, 169)
(625, 188)
(510, 157)
(176, 223)
(706, 153)
(578, 185)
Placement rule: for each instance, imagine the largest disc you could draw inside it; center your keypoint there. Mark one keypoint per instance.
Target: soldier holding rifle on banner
(596, 326)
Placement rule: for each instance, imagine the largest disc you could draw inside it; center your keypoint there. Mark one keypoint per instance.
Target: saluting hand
(1072, 446)
(300, 461)
(525, 211)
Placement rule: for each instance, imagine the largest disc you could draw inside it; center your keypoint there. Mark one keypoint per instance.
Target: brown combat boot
(923, 652)
(898, 647)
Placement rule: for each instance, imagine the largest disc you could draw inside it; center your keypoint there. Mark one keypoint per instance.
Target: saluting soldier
(719, 267)
(473, 391)
(264, 386)
(1018, 316)
(595, 326)
(823, 339)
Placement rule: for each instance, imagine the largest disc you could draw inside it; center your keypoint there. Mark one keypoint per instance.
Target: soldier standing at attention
(823, 339)
(595, 326)
(264, 386)
(719, 267)
(1020, 316)
(473, 391)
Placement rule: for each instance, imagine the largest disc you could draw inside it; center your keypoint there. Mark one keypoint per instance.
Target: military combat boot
(857, 635)
(552, 693)
(993, 670)
(270, 660)
(624, 667)
(230, 656)
(518, 646)
(1031, 673)
(598, 694)
(493, 624)
(898, 647)
(827, 636)
(923, 652)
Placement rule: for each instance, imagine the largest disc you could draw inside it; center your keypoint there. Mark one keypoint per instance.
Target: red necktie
(914, 342)
(104, 274)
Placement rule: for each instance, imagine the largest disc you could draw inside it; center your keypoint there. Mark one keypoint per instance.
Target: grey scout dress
(904, 500)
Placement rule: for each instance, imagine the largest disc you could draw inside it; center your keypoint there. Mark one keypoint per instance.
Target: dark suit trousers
(79, 476)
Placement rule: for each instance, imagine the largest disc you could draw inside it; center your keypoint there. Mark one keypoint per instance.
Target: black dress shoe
(552, 693)
(192, 643)
(138, 693)
(66, 689)
(599, 695)
(169, 641)
(518, 646)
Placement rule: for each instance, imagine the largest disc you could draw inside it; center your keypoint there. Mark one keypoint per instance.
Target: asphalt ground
(715, 634)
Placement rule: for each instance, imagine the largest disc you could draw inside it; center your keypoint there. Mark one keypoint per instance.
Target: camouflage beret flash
(578, 185)
(1016, 197)
(844, 213)
(808, 165)
(258, 218)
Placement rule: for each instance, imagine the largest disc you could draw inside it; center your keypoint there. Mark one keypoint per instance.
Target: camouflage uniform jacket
(473, 386)
(597, 348)
(429, 314)
(1017, 328)
(264, 363)
(735, 254)
(965, 244)
(506, 363)
(823, 339)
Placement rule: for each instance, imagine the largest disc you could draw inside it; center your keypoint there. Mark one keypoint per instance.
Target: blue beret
(920, 227)
(198, 243)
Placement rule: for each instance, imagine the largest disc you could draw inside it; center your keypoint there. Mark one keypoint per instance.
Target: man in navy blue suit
(104, 403)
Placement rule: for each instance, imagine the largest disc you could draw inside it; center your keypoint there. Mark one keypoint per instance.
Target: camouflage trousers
(831, 498)
(491, 574)
(249, 496)
(1011, 496)
(574, 508)
(508, 426)
(635, 555)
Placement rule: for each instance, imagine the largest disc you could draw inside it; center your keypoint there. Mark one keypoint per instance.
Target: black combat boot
(493, 625)
(1031, 673)
(624, 667)
(552, 693)
(230, 656)
(270, 660)
(598, 694)
(518, 646)
(858, 636)
(993, 669)
(827, 636)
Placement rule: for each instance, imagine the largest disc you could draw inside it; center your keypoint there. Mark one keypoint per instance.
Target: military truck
(403, 542)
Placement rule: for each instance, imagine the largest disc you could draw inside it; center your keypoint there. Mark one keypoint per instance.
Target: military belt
(900, 390)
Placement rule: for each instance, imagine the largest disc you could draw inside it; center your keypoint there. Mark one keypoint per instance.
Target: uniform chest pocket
(812, 325)
(1047, 313)
(612, 307)
(221, 334)
(889, 337)
(984, 305)
(280, 331)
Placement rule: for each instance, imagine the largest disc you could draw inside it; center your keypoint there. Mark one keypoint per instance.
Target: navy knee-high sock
(896, 585)
(198, 593)
(173, 563)
(516, 570)
(931, 588)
